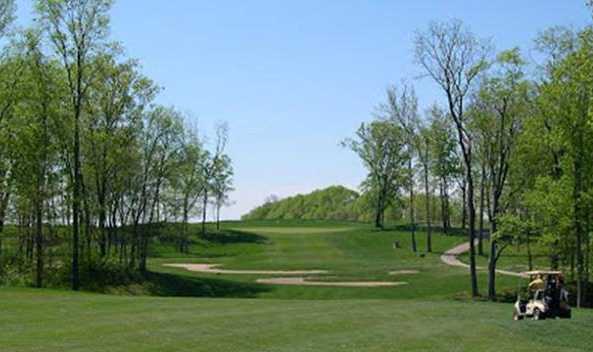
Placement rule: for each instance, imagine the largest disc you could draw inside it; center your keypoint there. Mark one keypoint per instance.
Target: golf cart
(547, 297)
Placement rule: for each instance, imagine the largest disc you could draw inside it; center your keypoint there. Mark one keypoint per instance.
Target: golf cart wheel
(537, 315)
(517, 317)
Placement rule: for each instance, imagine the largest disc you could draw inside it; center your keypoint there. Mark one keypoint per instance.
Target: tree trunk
(481, 231)
(3, 205)
(39, 243)
(464, 205)
(492, 271)
(184, 241)
(218, 207)
(76, 204)
(204, 210)
(472, 228)
(379, 211)
(102, 227)
(428, 212)
(412, 210)
(443, 211)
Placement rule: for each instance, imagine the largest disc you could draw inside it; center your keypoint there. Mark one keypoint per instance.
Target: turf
(60, 321)
(233, 313)
(349, 251)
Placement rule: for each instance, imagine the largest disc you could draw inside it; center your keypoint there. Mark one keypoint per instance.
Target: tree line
(339, 203)
(512, 137)
(89, 163)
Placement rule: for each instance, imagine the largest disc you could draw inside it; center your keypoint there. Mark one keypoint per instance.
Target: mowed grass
(514, 258)
(233, 313)
(349, 251)
(62, 321)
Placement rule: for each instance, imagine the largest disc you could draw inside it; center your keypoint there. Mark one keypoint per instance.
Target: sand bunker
(301, 281)
(404, 272)
(212, 269)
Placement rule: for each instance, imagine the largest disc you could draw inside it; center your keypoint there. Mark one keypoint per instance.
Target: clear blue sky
(294, 78)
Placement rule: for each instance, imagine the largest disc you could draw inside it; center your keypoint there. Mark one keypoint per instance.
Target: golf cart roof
(542, 272)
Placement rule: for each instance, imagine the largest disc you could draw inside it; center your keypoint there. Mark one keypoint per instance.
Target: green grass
(208, 312)
(62, 321)
(514, 258)
(350, 251)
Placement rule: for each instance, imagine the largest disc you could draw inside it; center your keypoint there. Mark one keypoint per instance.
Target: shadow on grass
(232, 237)
(110, 278)
(171, 285)
(454, 231)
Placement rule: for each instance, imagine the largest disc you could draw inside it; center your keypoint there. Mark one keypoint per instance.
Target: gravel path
(450, 257)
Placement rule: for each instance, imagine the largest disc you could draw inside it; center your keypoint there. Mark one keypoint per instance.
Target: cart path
(450, 257)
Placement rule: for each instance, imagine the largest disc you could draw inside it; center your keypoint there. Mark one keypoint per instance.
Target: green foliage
(381, 146)
(333, 203)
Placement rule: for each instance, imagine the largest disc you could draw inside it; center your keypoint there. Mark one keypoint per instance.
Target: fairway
(329, 253)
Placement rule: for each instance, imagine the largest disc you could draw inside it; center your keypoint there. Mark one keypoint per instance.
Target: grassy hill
(333, 203)
(223, 312)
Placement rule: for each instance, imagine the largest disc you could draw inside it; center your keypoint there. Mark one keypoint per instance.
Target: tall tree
(7, 11)
(567, 96)
(118, 92)
(445, 161)
(500, 107)
(37, 112)
(453, 57)
(214, 162)
(424, 143)
(78, 30)
(402, 109)
(189, 182)
(222, 185)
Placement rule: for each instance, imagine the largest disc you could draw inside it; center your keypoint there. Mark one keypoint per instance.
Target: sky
(294, 78)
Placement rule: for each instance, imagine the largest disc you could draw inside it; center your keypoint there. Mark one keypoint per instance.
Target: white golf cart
(547, 297)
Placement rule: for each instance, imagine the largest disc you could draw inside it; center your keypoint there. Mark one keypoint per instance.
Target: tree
(424, 146)
(453, 57)
(381, 145)
(567, 97)
(161, 145)
(402, 109)
(499, 108)
(189, 181)
(118, 91)
(36, 122)
(83, 148)
(215, 162)
(222, 185)
(445, 164)
(77, 29)
(10, 77)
